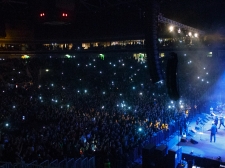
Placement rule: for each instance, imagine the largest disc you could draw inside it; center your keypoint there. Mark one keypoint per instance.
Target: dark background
(202, 14)
(97, 18)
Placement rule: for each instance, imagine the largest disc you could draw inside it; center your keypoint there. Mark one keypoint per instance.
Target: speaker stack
(154, 157)
(160, 153)
(148, 153)
(151, 40)
(174, 157)
(171, 77)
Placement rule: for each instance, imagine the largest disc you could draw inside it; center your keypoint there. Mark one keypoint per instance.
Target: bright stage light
(171, 28)
(64, 14)
(42, 14)
(196, 35)
(179, 31)
(190, 34)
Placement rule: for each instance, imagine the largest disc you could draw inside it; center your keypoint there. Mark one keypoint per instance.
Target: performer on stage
(221, 122)
(216, 121)
(213, 132)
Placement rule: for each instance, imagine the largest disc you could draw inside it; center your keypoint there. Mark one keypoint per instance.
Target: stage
(203, 148)
(204, 154)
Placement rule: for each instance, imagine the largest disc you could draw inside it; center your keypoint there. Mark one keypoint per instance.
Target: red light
(42, 14)
(64, 14)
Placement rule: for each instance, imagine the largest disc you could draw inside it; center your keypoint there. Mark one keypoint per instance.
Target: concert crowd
(56, 108)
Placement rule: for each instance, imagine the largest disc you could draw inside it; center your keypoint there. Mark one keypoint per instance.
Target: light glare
(171, 28)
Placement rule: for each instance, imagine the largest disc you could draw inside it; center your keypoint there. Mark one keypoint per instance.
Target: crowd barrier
(83, 162)
(160, 137)
(45, 163)
(5, 165)
(135, 153)
(70, 163)
(63, 163)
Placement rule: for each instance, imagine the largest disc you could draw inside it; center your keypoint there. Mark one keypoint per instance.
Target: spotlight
(42, 14)
(171, 28)
(196, 35)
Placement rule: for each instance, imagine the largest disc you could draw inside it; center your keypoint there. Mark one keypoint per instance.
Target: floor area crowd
(56, 108)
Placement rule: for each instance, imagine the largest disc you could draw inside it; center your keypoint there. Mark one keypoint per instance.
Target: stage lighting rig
(56, 12)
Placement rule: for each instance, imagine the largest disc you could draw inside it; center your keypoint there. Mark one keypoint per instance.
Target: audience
(56, 108)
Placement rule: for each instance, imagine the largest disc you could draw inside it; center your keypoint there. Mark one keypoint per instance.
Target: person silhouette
(221, 122)
(216, 122)
(213, 132)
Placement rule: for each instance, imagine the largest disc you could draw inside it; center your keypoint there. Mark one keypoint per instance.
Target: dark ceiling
(194, 12)
(115, 16)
